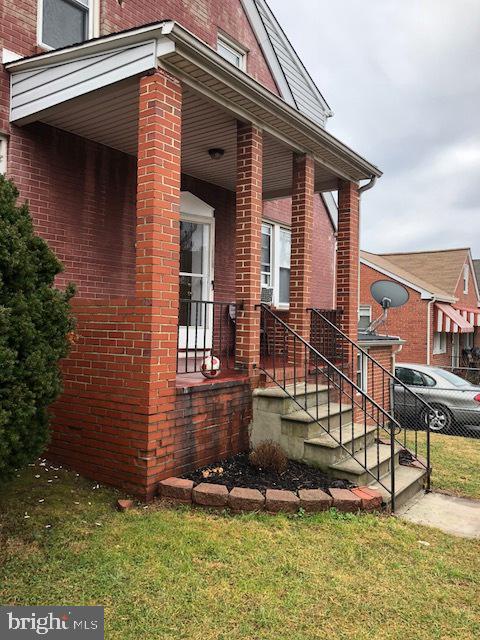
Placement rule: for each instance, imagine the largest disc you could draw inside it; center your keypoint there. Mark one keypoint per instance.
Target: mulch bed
(238, 472)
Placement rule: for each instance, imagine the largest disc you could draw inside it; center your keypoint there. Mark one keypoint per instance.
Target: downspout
(429, 326)
(370, 184)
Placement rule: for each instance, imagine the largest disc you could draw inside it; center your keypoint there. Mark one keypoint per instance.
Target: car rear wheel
(438, 417)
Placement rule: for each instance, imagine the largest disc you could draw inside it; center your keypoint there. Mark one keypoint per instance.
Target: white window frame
(234, 48)
(276, 229)
(365, 310)
(439, 343)
(3, 153)
(466, 272)
(93, 21)
(362, 371)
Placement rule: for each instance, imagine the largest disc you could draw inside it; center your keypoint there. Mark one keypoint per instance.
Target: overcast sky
(403, 79)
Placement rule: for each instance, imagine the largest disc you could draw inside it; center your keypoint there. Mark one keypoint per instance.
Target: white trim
(3, 153)
(266, 46)
(9, 56)
(439, 343)
(425, 295)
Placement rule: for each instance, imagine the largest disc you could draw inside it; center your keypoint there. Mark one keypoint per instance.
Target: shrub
(35, 321)
(269, 456)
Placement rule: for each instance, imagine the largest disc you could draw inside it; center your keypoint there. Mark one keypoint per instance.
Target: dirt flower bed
(238, 472)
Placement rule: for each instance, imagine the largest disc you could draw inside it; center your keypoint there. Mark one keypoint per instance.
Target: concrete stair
(321, 433)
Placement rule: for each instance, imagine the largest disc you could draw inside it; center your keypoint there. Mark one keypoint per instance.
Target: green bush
(35, 322)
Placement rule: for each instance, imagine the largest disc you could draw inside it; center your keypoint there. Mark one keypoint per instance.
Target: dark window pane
(64, 23)
(191, 247)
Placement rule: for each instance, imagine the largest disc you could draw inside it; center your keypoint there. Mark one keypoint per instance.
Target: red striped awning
(471, 314)
(449, 320)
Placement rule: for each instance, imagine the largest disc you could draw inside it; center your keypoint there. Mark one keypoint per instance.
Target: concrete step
(408, 482)
(325, 449)
(378, 463)
(277, 400)
(314, 422)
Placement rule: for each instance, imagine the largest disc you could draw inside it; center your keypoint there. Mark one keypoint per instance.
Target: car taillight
(477, 397)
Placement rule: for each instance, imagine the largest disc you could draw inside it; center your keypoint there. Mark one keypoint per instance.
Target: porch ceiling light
(216, 154)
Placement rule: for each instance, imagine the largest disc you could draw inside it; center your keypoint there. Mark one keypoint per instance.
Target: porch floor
(186, 380)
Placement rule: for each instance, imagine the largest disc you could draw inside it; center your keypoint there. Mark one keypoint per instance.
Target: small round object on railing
(210, 367)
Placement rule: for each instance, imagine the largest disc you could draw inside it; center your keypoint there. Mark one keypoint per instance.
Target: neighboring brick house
(177, 151)
(442, 316)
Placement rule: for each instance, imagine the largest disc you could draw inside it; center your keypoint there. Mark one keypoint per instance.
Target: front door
(195, 317)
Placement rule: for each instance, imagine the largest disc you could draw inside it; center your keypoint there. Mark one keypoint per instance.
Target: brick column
(301, 257)
(348, 257)
(247, 244)
(157, 232)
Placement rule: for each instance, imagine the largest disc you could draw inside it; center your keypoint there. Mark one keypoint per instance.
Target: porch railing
(206, 332)
(301, 371)
(410, 412)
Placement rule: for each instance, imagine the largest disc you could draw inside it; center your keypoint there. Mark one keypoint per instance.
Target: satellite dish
(388, 294)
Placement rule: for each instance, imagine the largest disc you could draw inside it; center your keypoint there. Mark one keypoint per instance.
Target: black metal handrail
(296, 353)
(353, 349)
(206, 330)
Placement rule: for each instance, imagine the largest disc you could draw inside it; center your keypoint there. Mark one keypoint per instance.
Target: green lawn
(455, 463)
(185, 574)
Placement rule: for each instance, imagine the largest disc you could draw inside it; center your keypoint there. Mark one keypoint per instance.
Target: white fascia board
(261, 34)
(424, 294)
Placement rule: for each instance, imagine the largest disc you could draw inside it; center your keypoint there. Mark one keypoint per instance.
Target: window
(275, 262)
(232, 52)
(361, 371)
(3, 153)
(266, 256)
(439, 342)
(410, 377)
(364, 317)
(65, 22)
(284, 266)
(465, 279)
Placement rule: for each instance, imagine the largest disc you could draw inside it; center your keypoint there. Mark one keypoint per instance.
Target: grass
(185, 574)
(455, 462)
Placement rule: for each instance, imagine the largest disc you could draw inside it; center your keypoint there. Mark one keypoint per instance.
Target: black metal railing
(206, 336)
(301, 370)
(410, 412)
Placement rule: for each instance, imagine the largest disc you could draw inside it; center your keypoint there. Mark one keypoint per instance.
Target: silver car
(453, 401)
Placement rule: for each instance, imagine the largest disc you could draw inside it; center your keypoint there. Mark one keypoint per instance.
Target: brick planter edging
(240, 499)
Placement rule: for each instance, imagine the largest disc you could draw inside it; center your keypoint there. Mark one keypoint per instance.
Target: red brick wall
(202, 17)
(82, 199)
(409, 322)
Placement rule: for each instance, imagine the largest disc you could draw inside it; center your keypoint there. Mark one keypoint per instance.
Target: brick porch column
(157, 231)
(248, 227)
(348, 257)
(301, 255)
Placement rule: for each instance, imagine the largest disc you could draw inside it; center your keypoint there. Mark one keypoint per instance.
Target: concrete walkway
(457, 516)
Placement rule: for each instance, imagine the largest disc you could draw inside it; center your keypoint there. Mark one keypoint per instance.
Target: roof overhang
(40, 82)
(425, 294)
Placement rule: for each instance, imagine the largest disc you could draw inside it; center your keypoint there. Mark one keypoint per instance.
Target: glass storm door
(195, 318)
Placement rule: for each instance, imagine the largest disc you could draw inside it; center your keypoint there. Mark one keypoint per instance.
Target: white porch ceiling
(110, 116)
